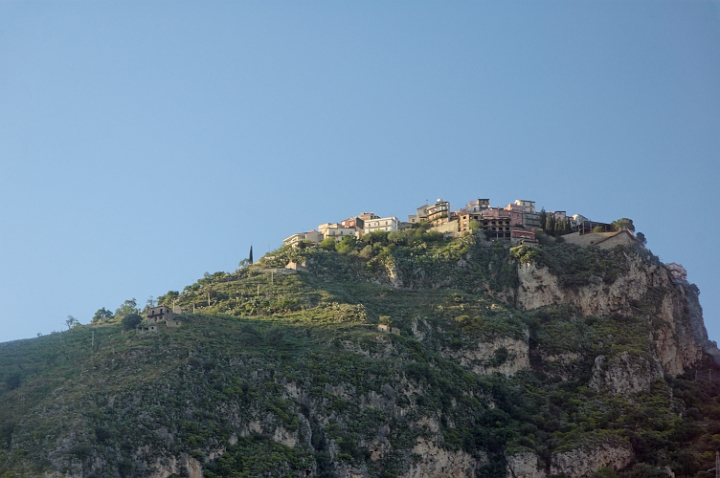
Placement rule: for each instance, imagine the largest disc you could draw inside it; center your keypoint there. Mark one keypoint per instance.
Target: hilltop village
(518, 222)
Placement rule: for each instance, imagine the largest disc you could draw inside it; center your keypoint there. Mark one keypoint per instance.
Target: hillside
(551, 360)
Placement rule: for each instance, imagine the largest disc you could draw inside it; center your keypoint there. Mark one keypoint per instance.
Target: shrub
(327, 244)
(13, 381)
(131, 321)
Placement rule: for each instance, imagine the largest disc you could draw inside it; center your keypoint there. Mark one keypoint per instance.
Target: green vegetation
(288, 373)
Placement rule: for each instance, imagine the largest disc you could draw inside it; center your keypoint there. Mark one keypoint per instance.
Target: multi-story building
(435, 214)
(159, 314)
(516, 214)
(366, 216)
(335, 230)
(528, 206)
(420, 214)
(385, 224)
(531, 220)
(495, 222)
(353, 223)
(312, 236)
(477, 205)
(438, 213)
(577, 221)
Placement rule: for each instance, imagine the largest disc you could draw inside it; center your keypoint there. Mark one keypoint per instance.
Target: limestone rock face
(436, 462)
(184, 465)
(582, 462)
(679, 339)
(524, 465)
(624, 374)
(480, 359)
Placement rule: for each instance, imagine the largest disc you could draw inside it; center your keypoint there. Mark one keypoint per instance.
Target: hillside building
(435, 214)
(159, 314)
(522, 235)
(354, 223)
(528, 206)
(386, 224)
(312, 236)
(477, 205)
(335, 230)
(366, 216)
(531, 220)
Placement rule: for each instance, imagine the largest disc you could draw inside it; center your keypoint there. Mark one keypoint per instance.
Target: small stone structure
(150, 329)
(388, 330)
(298, 267)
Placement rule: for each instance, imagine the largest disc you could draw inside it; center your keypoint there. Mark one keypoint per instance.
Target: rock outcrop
(505, 355)
(436, 462)
(582, 462)
(644, 290)
(524, 465)
(624, 374)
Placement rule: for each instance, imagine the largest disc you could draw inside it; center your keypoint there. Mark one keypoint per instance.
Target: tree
(543, 216)
(102, 315)
(550, 224)
(328, 244)
(169, 298)
(131, 321)
(71, 322)
(128, 307)
(251, 257)
(641, 237)
(345, 245)
(624, 223)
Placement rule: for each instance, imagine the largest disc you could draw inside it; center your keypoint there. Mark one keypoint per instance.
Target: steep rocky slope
(506, 362)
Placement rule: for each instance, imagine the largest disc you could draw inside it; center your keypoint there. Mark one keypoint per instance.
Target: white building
(386, 224)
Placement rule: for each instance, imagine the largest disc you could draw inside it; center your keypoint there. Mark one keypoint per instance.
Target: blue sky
(145, 143)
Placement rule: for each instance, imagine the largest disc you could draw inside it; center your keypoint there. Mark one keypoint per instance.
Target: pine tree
(251, 257)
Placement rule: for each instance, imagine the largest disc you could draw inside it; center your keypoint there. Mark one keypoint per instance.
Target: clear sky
(145, 143)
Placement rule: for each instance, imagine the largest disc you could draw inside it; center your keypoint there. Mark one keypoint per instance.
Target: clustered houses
(515, 222)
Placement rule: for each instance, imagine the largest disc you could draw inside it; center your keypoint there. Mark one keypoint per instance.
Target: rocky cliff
(496, 361)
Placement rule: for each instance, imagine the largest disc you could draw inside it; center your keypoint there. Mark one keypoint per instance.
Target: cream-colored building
(335, 230)
(528, 206)
(312, 236)
(386, 224)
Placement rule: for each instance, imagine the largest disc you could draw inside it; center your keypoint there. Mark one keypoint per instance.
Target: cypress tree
(251, 257)
(550, 224)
